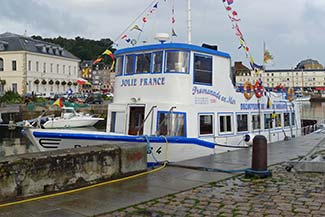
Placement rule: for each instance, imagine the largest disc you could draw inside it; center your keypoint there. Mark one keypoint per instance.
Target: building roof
(14, 42)
(309, 64)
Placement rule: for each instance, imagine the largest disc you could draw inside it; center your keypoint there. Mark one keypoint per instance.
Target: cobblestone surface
(283, 194)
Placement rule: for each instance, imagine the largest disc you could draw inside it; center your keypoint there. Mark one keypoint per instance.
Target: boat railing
(146, 118)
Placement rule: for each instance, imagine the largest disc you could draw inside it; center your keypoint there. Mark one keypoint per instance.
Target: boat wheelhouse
(184, 90)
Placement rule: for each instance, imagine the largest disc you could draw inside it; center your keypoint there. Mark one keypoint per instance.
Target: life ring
(248, 90)
(291, 93)
(258, 89)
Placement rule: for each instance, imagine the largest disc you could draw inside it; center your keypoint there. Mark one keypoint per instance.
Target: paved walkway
(287, 194)
(284, 194)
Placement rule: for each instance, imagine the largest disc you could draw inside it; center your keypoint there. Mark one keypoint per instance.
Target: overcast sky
(292, 30)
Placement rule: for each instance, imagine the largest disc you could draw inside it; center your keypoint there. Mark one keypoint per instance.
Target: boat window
(202, 69)
(157, 62)
(242, 122)
(225, 123)
(206, 124)
(177, 61)
(117, 122)
(143, 63)
(171, 124)
(268, 123)
(130, 64)
(256, 122)
(277, 118)
(286, 119)
(119, 66)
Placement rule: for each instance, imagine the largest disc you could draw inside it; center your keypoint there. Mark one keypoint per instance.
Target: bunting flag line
(85, 72)
(58, 102)
(109, 53)
(174, 33)
(136, 27)
(173, 20)
(234, 18)
(267, 56)
(98, 60)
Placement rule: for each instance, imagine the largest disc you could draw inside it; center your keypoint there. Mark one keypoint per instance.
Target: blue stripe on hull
(154, 139)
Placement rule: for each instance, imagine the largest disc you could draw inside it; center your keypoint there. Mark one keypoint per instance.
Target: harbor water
(13, 142)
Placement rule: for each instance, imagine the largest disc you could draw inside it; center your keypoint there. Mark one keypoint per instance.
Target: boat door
(136, 117)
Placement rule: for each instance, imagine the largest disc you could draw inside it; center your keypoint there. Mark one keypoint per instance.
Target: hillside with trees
(84, 49)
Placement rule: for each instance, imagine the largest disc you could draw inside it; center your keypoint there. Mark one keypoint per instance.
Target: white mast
(189, 22)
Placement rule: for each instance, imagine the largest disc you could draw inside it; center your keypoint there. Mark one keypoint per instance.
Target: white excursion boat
(180, 96)
(70, 119)
(179, 99)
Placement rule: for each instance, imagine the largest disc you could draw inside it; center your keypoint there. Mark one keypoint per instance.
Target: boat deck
(169, 180)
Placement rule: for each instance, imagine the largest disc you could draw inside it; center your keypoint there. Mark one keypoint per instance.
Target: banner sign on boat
(255, 106)
(216, 94)
(134, 82)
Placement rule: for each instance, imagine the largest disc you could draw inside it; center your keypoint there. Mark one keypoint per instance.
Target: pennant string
(234, 18)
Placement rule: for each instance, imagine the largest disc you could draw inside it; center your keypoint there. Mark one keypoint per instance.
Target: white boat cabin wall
(185, 90)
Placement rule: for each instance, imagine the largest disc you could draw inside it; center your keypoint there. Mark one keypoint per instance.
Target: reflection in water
(313, 111)
(12, 142)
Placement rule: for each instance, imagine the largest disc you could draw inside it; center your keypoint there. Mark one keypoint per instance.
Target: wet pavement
(177, 191)
(283, 194)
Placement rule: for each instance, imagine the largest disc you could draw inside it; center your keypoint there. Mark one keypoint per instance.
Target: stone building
(36, 67)
(308, 75)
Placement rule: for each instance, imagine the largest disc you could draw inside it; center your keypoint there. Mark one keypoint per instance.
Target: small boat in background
(302, 98)
(71, 119)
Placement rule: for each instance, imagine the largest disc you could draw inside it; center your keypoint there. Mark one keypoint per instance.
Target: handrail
(165, 118)
(151, 110)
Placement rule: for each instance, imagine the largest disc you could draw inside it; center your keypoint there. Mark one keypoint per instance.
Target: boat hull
(159, 149)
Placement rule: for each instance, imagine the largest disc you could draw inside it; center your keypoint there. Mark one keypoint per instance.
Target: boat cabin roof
(172, 46)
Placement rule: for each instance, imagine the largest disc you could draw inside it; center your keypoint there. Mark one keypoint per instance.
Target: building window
(143, 63)
(171, 124)
(57, 68)
(44, 67)
(256, 122)
(51, 67)
(157, 62)
(14, 65)
(69, 70)
(202, 69)
(75, 70)
(206, 124)
(242, 122)
(1, 64)
(14, 87)
(225, 123)
(177, 61)
(63, 69)
(268, 123)
(29, 65)
(130, 64)
(37, 66)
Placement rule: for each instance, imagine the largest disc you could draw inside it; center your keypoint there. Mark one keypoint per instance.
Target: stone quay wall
(45, 172)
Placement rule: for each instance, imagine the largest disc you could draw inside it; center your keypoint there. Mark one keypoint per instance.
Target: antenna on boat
(189, 22)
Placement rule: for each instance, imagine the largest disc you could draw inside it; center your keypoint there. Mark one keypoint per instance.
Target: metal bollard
(259, 159)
